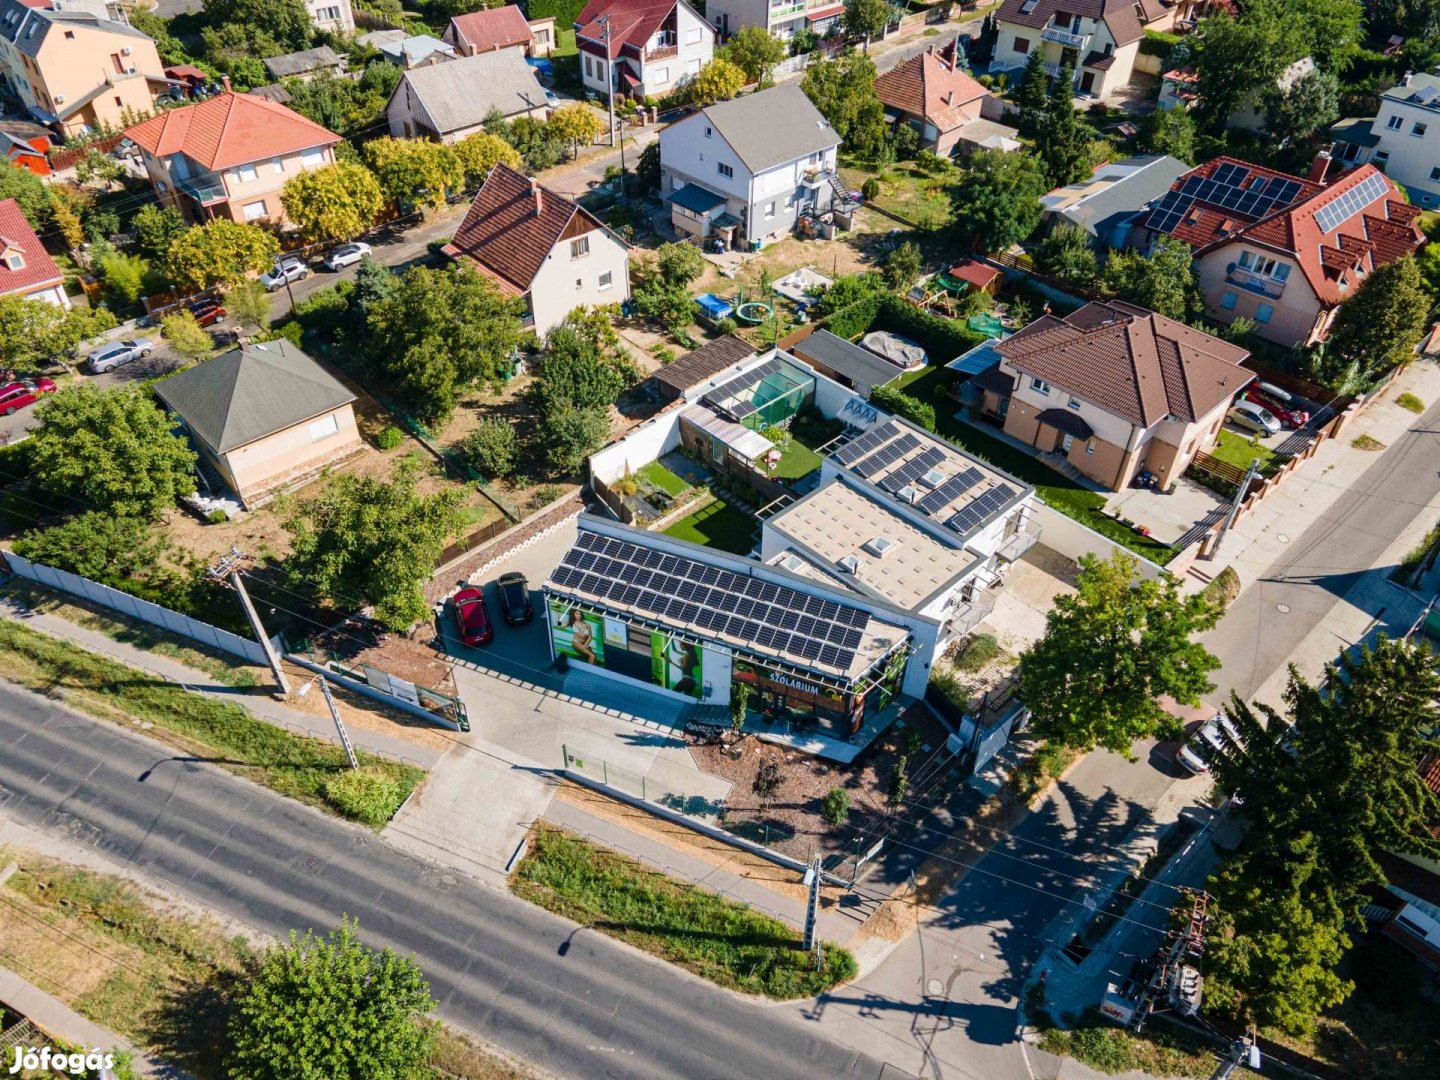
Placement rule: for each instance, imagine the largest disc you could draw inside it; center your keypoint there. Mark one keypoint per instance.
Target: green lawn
(718, 525)
(658, 475)
(796, 461)
(1236, 449)
(922, 200)
(715, 938)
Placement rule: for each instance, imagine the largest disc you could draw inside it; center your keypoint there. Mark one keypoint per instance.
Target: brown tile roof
(932, 85)
(39, 269)
(503, 235)
(1126, 24)
(632, 23)
(1130, 362)
(230, 129)
(1204, 224)
(703, 364)
(492, 28)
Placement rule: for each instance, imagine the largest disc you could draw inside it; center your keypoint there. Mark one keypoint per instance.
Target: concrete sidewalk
(258, 704)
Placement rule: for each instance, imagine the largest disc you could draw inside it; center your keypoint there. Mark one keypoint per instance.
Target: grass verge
(1367, 442)
(1410, 402)
(307, 769)
(717, 524)
(1238, 450)
(1101, 1045)
(713, 937)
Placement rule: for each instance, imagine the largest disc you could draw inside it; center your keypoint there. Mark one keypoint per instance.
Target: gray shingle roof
(1140, 181)
(772, 127)
(860, 366)
(250, 392)
(298, 63)
(460, 93)
(26, 27)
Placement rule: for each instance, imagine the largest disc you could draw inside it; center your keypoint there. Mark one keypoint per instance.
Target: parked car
(1256, 418)
(515, 605)
(1290, 417)
(551, 98)
(1212, 737)
(283, 272)
(346, 255)
(22, 392)
(207, 312)
(108, 357)
(472, 618)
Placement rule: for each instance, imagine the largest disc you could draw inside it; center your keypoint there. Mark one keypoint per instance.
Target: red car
(207, 312)
(472, 618)
(1290, 417)
(17, 395)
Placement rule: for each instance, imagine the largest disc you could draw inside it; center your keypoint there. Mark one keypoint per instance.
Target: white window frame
(313, 158)
(1395, 123)
(1040, 386)
(606, 280)
(580, 247)
(323, 428)
(251, 214)
(245, 173)
(727, 171)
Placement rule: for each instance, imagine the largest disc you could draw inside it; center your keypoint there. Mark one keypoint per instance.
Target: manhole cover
(1283, 609)
(934, 987)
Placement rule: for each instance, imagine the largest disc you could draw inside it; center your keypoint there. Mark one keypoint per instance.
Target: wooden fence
(64, 157)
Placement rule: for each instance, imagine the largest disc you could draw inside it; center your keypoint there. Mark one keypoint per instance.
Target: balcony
(203, 190)
(970, 614)
(1064, 37)
(1268, 287)
(664, 45)
(1017, 545)
(785, 11)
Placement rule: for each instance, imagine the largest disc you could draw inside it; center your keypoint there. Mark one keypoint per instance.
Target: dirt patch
(356, 642)
(849, 253)
(361, 712)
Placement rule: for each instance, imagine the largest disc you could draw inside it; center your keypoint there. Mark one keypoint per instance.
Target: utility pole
(1250, 474)
(813, 877)
(1243, 1052)
(604, 21)
(339, 725)
(227, 572)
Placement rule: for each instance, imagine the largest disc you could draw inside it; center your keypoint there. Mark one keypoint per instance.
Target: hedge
(565, 12)
(1158, 43)
(14, 462)
(850, 322)
(943, 339)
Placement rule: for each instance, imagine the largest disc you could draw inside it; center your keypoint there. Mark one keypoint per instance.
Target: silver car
(108, 357)
(284, 272)
(1212, 738)
(346, 255)
(1257, 418)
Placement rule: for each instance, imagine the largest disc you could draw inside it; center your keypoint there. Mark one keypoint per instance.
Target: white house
(1100, 38)
(451, 100)
(1398, 139)
(747, 169)
(332, 15)
(644, 48)
(781, 17)
(541, 246)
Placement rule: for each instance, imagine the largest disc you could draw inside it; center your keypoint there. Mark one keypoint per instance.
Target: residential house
(1114, 389)
(332, 15)
(542, 247)
(26, 268)
(26, 145)
(747, 169)
(498, 28)
(414, 50)
(273, 92)
(1106, 203)
(1100, 38)
(306, 64)
(542, 36)
(1178, 90)
(654, 46)
(229, 156)
(74, 70)
(449, 101)
(949, 110)
(781, 17)
(265, 418)
(1398, 139)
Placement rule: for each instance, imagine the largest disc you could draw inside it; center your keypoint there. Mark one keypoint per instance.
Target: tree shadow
(189, 1023)
(691, 805)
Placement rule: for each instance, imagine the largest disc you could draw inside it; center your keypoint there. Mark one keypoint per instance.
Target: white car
(108, 357)
(1256, 418)
(1210, 739)
(284, 272)
(346, 255)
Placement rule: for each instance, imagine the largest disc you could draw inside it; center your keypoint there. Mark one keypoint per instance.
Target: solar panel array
(861, 445)
(1231, 188)
(973, 514)
(1336, 212)
(912, 470)
(949, 491)
(886, 456)
(687, 592)
(727, 390)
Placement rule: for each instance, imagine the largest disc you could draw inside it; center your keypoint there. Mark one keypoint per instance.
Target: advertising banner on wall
(577, 634)
(676, 665)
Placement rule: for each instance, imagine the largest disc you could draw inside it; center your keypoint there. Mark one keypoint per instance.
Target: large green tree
(1310, 104)
(997, 198)
(29, 191)
(186, 336)
(582, 364)
(843, 89)
(156, 228)
(866, 19)
(1169, 131)
(1163, 281)
(1032, 94)
(114, 451)
(35, 332)
(1066, 254)
(332, 1008)
(719, 80)
(571, 435)
(346, 106)
(373, 540)
(415, 170)
(1380, 325)
(1064, 142)
(335, 202)
(286, 22)
(755, 51)
(97, 545)
(220, 252)
(1237, 60)
(1110, 650)
(1331, 32)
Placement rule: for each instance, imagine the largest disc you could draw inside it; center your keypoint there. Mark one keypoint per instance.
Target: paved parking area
(1173, 517)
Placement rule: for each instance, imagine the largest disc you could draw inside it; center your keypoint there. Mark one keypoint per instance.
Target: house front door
(1066, 441)
(1087, 83)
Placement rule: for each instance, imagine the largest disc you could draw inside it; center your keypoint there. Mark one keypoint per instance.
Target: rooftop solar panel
(886, 455)
(949, 491)
(913, 469)
(1339, 210)
(861, 445)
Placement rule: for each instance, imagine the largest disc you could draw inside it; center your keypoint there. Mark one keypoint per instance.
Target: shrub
(217, 517)
(492, 448)
(767, 780)
(390, 438)
(1223, 588)
(739, 704)
(981, 649)
(836, 806)
(900, 403)
(1411, 402)
(291, 331)
(870, 188)
(366, 794)
(727, 325)
(546, 494)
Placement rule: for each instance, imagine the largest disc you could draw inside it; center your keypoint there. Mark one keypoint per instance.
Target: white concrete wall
(686, 151)
(1071, 539)
(642, 446)
(563, 283)
(1409, 157)
(731, 15)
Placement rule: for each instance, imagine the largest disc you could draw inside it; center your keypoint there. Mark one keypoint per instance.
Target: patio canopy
(1069, 422)
(696, 199)
(748, 444)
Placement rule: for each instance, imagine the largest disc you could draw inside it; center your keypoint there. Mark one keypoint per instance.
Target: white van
(1209, 740)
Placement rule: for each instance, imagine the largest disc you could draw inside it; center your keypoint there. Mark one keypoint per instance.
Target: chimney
(226, 80)
(950, 97)
(1319, 167)
(539, 199)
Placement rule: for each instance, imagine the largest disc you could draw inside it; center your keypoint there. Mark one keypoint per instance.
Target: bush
(1223, 588)
(290, 331)
(1411, 402)
(836, 806)
(981, 649)
(942, 339)
(947, 694)
(367, 795)
(902, 404)
(546, 494)
(492, 448)
(217, 517)
(727, 325)
(390, 438)
(870, 188)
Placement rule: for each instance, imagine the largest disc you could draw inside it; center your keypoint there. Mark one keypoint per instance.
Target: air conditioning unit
(126, 51)
(59, 99)
(131, 70)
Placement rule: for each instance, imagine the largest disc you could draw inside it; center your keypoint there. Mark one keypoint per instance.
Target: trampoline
(754, 312)
(986, 323)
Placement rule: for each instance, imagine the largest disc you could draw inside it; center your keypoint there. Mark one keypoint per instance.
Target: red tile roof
(493, 28)
(39, 270)
(1130, 362)
(504, 237)
(979, 274)
(632, 22)
(229, 129)
(1205, 224)
(1125, 18)
(932, 85)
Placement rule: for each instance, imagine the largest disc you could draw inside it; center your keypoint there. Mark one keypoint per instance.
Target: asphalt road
(568, 999)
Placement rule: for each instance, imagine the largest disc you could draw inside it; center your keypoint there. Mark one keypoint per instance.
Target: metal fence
(136, 608)
(640, 787)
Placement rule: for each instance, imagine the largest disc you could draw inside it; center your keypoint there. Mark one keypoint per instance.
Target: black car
(515, 606)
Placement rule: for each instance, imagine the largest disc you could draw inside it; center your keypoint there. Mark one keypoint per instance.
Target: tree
(97, 545)
(1066, 254)
(849, 289)
(440, 331)
(903, 266)
(98, 166)
(330, 1009)
(1169, 131)
(1236, 60)
(843, 89)
(285, 22)
(575, 123)
(346, 106)
(1110, 650)
(125, 276)
(866, 19)
(1378, 327)
(492, 448)
(668, 303)
(375, 540)
(1164, 281)
(719, 80)
(1032, 96)
(115, 451)
(570, 435)
(481, 152)
(156, 228)
(581, 365)
(335, 202)
(1064, 141)
(415, 171)
(1331, 32)
(647, 171)
(186, 336)
(220, 252)
(34, 333)
(29, 191)
(739, 705)
(836, 807)
(249, 303)
(755, 51)
(1310, 104)
(997, 198)
(679, 263)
